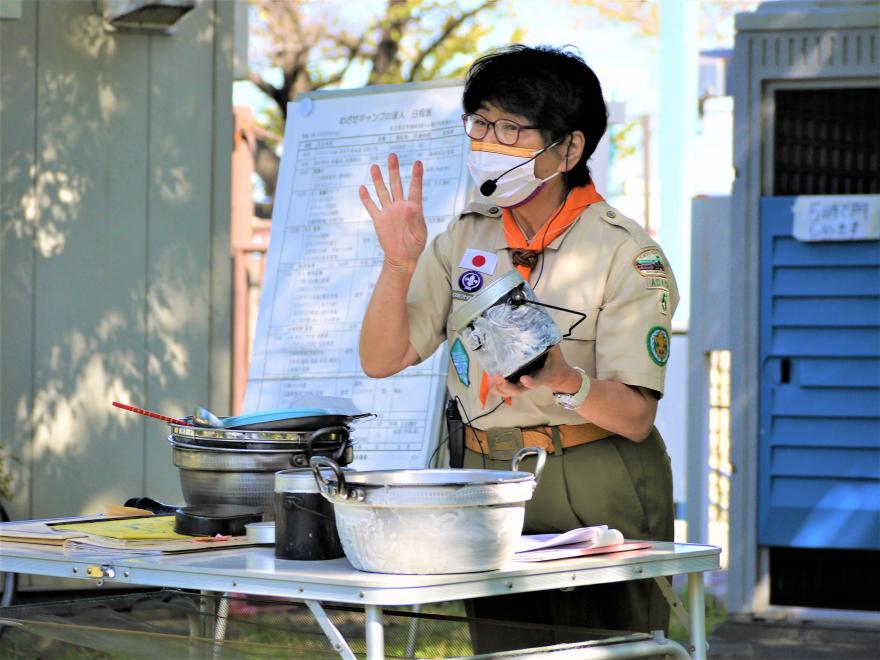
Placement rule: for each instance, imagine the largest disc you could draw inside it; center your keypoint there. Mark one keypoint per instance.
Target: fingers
(394, 177)
(368, 202)
(500, 386)
(395, 183)
(415, 184)
(529, 383)
(379, 184)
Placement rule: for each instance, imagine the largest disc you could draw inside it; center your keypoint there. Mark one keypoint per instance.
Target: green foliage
(314, 47)
(6, 478)
(623, 142)
(716, 613)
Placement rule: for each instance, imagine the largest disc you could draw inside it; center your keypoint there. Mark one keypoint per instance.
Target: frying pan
(285, 419)
(324, 438)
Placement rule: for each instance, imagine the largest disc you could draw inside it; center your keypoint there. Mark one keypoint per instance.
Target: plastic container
(506, 328)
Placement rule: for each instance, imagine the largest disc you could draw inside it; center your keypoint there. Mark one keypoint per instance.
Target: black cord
(561, 309)
(544, 237)
(469, 421)
(433, 455)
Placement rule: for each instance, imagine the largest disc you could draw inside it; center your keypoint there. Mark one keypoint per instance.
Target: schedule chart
(324, 260)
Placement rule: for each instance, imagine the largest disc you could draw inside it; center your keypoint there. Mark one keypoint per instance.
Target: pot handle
(530, 451)
(327, 430)
(333, 491)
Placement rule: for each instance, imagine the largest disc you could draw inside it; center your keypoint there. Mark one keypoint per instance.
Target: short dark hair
(551, 87)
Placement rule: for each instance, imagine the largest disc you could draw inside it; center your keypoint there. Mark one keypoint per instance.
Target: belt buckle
(503, 443)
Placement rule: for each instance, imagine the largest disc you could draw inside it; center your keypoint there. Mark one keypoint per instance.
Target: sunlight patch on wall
(720, 469)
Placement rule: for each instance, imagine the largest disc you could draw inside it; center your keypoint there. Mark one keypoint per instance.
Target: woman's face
(529, 138)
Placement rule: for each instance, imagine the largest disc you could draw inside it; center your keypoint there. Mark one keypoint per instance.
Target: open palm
(398, 220)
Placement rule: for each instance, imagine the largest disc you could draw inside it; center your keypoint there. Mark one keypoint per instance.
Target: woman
(535, 116)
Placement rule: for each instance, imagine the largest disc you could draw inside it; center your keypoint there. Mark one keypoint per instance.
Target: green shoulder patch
(658, 345)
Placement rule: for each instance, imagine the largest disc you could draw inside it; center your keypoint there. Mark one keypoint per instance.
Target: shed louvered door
(819, 436)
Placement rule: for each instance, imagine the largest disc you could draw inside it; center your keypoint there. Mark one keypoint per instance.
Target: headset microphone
(490, 185)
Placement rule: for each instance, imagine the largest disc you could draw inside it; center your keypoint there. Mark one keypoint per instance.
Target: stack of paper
(134, 534)
(574, 543)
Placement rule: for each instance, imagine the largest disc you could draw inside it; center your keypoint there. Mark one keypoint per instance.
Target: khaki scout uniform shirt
(606, 266)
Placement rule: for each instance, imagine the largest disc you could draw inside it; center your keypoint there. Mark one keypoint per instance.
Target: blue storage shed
(805, 311)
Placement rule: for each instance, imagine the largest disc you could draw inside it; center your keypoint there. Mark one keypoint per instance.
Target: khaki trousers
(615, 482)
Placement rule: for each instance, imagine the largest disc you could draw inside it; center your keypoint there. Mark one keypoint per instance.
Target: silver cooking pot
(429, 521)
(246, 474)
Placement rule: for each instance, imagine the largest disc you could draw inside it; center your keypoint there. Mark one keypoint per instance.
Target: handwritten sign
(837, 218)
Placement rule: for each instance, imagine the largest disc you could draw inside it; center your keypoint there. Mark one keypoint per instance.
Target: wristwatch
(574, 401)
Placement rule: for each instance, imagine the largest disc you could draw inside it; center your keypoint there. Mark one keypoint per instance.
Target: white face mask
(502, 173)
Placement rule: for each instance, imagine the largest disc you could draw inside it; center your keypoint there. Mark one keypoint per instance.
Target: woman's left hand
(554, 375)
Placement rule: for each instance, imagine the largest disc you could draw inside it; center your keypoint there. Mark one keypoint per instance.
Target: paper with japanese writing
(324, 260)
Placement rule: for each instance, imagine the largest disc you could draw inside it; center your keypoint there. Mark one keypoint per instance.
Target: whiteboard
(324, 259)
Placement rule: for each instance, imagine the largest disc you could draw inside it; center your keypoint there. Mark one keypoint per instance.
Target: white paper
(584, 537)
(836, 218)
(324, 259)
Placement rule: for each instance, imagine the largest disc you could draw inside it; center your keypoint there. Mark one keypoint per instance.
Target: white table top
(256, 571)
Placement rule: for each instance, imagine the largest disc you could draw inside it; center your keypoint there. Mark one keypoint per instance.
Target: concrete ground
(746, 638)
(736, 637)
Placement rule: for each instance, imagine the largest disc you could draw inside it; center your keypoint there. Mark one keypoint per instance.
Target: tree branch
(353, 50)
(269, 90)
(452, 24)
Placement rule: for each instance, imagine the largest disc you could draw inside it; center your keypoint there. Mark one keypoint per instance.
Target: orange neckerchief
(577, 200)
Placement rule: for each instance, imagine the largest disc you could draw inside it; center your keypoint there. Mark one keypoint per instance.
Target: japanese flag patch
(478, 260)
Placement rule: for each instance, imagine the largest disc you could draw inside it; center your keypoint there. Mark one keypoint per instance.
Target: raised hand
(399, 221)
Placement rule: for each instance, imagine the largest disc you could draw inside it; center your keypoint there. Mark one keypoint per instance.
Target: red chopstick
(154, 415)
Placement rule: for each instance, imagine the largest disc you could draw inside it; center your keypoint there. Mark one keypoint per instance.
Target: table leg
(375, 633)
(697, 609)
(412, 637)
(206, 612)
(220, 621)
(330, 631)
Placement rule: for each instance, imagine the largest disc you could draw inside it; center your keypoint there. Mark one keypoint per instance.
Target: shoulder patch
(658, 345)
(657, 283)
(649, 263)
(663, 305)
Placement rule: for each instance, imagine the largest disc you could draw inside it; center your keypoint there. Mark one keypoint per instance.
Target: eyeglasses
(506, 131)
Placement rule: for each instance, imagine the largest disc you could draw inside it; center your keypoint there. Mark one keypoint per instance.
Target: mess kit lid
(212, 519)
(485, 299)
(301, 480)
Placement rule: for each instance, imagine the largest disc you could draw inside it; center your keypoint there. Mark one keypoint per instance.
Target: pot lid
(285, 419)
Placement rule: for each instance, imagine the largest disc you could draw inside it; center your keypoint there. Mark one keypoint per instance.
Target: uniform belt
(570, 435)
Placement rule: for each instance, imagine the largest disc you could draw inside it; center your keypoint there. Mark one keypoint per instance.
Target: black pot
(305, 523)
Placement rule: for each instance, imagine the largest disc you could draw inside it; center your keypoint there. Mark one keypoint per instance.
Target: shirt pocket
(579, 347)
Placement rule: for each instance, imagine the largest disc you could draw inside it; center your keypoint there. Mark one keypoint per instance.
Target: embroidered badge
(658, 345)
(460, 295)
(650, 264)
(470, 281)
(664, 303)
(479, 260)
(657, 283)
(460, 361)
